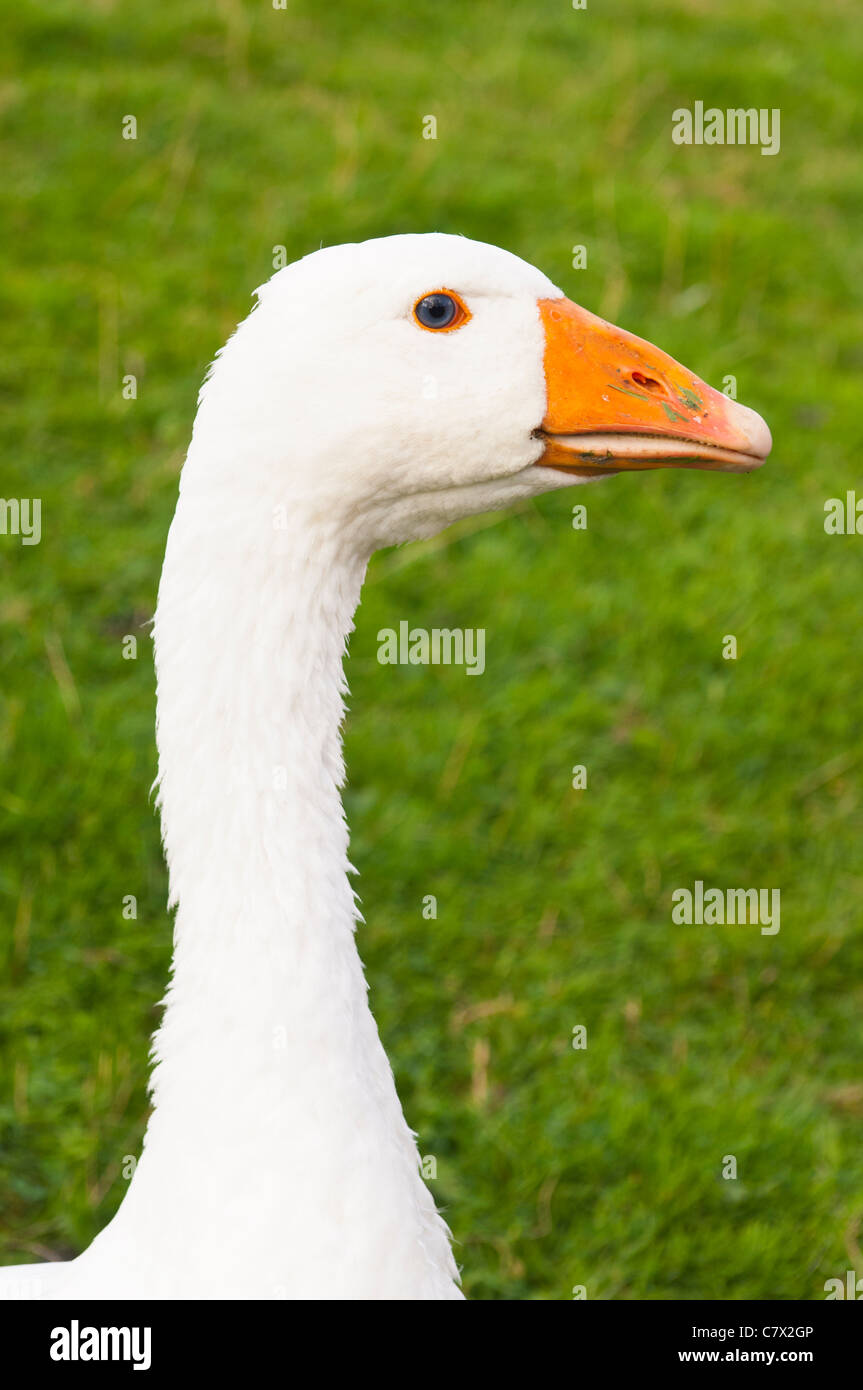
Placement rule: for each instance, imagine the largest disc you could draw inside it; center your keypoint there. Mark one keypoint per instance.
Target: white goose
(377, 393)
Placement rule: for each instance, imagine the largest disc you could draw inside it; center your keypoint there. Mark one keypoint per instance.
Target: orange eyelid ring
(460, 318)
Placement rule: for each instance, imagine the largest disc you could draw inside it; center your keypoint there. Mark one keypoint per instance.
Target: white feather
(277, 1161)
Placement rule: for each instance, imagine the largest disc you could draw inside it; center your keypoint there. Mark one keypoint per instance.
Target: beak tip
(756, 430)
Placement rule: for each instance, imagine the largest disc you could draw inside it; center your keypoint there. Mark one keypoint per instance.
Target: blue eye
(440, 310)
(436, 311)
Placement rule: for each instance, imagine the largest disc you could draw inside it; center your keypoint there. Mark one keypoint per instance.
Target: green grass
(258, 128)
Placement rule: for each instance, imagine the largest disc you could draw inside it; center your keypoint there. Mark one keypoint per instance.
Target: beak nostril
(649, 383)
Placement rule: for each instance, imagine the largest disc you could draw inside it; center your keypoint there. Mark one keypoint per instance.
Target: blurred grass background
(259, 127)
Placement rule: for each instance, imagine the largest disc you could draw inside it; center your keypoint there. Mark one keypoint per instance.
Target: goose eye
(440, 310)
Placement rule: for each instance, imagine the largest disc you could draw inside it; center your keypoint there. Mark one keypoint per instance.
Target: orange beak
(615, 402)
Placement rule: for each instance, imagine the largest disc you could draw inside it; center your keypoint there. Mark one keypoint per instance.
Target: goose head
(392, 386)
